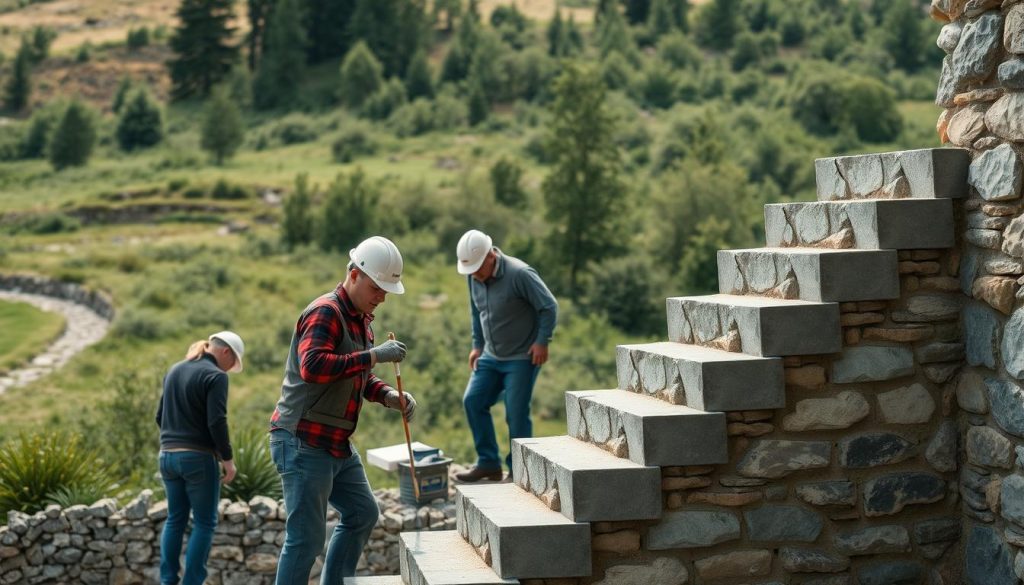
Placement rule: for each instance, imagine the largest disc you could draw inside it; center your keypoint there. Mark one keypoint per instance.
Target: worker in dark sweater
(193, 421)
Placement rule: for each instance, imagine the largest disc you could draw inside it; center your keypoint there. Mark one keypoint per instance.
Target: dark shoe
(475, 474)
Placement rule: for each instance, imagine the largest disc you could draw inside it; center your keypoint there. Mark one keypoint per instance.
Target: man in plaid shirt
(327, 376)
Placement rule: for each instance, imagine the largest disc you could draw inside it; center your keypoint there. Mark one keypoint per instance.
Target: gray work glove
(391, 401)
(389, 351)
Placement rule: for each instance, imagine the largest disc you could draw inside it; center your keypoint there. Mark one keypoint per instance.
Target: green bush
(826, 104)
(390, 97)
(257, 475)
(137, 38)
(46, 223)
(35, 469)
(295, 129)
(132, 443)
(141, 122)
(354, 142)
(224, 189)
(506, 181)
(74, 137)
(145, 324)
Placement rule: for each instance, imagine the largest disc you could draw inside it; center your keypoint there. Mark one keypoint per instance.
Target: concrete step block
(930, 173)
(810, 274)
(443, 558)
(703, 378)
(375, 580)
(759, 326)
(646, 430)
(520, 536)
(867, 224)
(584, 482)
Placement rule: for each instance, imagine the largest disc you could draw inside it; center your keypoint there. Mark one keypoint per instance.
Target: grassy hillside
(27, 331)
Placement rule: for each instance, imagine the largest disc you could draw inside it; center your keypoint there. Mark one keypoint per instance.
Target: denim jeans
(312, 478)
(492, 376)
(192, 482)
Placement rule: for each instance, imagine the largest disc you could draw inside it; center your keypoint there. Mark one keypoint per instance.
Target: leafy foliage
(257, 475)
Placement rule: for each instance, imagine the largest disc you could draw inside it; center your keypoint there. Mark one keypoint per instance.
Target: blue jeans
(491, 377)
(313, 478)
(192, 482)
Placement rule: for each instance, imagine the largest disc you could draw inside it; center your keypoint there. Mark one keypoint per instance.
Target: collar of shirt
(499, 265)
(346, 304)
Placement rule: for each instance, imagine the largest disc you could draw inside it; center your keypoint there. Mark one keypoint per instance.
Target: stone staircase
(724, 354)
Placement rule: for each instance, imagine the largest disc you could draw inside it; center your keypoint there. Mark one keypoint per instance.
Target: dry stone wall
(104, 544)
(982, 91)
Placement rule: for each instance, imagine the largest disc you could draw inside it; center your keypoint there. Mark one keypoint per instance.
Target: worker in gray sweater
(193, 422)
(513, 316)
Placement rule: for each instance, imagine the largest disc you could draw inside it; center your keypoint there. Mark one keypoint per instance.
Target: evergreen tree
(419, 81)
(297, 225)
(613, 34)
(19, 86)
(283, 64)
(123, 89)
(258, 12)
(456, 62)
(204, 53)
(74, 137)
(141, 123)
(349, 212)
(327, 28)
(661, 20)
(584, 192)
(223, 129)
(855, 18)
(451, 8)
(720, 24)
(572, 32)
(637, 11)
(903, 37)
(557, 39)
(681, 14)
(40, 128)
(393, 29)
(40, 40)
(506, 180)
(361, 75)
(479, 106)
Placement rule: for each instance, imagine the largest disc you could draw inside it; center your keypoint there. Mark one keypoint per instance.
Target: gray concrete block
(701, 377)
(755, 325)
(810, 274)
(868, 224)
(931, 173)
(443, 558)
(525, 538)
(584, 482)
(376, 580)
(646, 430)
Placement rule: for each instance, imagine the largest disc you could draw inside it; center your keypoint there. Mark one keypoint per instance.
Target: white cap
(471, 251)
(232, 340)
(379, 258)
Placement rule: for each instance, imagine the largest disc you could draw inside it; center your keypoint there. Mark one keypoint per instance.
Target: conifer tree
(584, 192)
(903, 36)
(479, 106)
(19, 86)
(141, 123)
(328, 29)
(121, 95)
(720, 24)
(297, 225)
(204, 53)
(419, 81)
(258, 12)
(276, 83)
(223, 129)
(557, 39)
(361, 75)
(74, 137)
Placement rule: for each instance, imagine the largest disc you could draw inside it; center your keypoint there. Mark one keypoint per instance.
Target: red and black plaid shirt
(319, 363)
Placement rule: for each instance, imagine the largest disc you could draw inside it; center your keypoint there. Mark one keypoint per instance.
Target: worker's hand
(391, 400)
(389, 351)
(538, 354)
(229, 471)
(473, 356)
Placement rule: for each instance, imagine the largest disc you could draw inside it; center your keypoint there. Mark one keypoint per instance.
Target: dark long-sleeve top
(193, 410)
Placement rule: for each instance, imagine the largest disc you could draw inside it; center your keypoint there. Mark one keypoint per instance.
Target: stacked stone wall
(99, 302)
(104, 544)
(982, 93)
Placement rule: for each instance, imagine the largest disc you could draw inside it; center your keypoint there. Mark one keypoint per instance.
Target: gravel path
(83, 327)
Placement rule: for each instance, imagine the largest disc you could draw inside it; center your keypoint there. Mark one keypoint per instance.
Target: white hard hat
(472, 249)
(232, 340)
(379, 258)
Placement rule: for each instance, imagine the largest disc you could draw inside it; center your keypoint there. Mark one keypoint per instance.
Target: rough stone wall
(854, 481)
(982, 91)
(108, 545)
(38, 285)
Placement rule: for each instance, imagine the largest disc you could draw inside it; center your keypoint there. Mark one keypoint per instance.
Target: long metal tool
(405, 424)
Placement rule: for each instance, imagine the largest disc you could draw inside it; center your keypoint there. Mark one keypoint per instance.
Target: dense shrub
(132, 443)
(826, 104)
(353, 142)
(390, 97)
(141, 122)
(137, 37)
(73, 138)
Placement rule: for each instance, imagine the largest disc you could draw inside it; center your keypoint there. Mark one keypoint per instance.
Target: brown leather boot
(475, 474)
